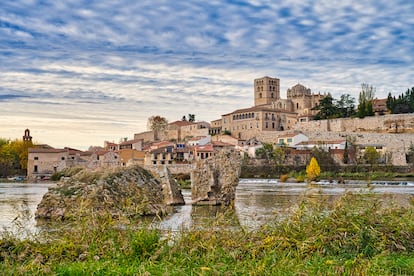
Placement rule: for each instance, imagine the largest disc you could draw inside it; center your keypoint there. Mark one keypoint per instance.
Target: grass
(354, 235)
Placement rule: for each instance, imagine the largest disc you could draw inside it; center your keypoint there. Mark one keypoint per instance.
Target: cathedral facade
(270, 112)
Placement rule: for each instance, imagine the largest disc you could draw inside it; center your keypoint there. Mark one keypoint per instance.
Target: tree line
(345, 106)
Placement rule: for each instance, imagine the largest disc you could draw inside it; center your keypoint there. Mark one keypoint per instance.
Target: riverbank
(354, 234)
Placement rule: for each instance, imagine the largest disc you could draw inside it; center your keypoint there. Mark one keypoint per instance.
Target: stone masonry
(214, 180)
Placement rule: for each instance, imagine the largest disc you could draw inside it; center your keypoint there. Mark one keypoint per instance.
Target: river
(257, 201)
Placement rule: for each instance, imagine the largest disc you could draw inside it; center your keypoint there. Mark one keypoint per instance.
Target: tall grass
(354, 235)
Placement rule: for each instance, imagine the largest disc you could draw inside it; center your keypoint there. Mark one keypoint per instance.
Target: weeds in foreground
(355, 235)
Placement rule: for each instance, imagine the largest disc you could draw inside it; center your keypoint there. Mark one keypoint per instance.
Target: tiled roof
(43, 150)
(182, 123)
(290, 134)
(204, 148)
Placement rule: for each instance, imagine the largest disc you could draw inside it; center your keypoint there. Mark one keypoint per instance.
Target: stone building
(270, 112)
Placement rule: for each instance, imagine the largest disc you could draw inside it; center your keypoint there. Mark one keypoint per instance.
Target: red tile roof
(204, 148)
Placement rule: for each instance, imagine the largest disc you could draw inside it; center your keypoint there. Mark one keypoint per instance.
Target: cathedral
(270, 112)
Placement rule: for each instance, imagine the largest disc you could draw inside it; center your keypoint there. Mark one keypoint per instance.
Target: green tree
(191, 117)
(346, 106)
(326, 107)
(366, 96)
(265, 152)
(346, 153)
(313, 170)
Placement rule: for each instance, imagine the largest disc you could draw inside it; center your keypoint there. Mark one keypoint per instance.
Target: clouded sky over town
(80, 72)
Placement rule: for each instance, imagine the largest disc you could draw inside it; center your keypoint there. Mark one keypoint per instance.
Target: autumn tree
(13, 156)
(279, 156)
(371, 156)
(157, 124)
(313, 170)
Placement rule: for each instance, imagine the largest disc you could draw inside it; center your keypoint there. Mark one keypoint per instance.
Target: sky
(79, 72)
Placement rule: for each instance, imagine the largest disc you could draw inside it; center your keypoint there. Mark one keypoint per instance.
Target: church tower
(266, 90)
(27, 137)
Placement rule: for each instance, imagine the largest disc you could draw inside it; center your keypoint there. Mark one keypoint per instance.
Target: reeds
(355, 235)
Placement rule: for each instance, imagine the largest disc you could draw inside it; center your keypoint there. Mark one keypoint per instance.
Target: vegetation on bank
(354, 235)
(13, 156)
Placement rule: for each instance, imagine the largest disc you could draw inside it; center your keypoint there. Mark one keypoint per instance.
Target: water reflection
(257, 201)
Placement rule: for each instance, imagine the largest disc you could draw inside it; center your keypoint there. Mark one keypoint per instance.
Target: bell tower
(27, 137)
(266, 90)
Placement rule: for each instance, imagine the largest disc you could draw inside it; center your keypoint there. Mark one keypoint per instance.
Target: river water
(257, 201)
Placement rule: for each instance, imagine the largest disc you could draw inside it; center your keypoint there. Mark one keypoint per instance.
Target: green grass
(354, 235)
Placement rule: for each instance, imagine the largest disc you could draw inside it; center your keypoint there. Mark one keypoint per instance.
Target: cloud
(123, 61)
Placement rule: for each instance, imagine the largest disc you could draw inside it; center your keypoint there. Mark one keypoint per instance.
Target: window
(35, 169)
(260, 95)
(36, 158)
(267, 125)
(289, 140)
(62, 158)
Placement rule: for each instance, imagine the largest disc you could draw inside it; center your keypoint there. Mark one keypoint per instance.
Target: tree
(191, 117)
(371, 156)
(346, 153)
(313, 170)
(157, 124)
(366, 96)
(265, 152)
(330, 108)
(326, 107)
(279, 156)
(346, 106)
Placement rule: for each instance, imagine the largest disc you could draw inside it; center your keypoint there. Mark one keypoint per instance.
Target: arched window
(260, 95)
(272, 95)
(297, 105)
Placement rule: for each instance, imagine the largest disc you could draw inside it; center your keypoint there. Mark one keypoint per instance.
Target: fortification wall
(395, 123)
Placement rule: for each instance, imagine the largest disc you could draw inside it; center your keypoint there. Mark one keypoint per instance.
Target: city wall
(396, 123)
(394, 132)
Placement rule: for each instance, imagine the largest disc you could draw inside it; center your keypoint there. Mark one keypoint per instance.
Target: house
(43, 162)
(203, 151)
(200, 140)
(291, 139)
(135, 144)
(131, 156)
(159, 156)
(104, 159)
(249, 147)
(111, 146)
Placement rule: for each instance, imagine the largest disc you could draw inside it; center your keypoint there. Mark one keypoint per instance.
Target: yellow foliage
(313, 170)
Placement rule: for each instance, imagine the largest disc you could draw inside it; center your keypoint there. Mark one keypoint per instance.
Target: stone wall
(214, 180)
(395, 123)
(394, 132)
(173, 168)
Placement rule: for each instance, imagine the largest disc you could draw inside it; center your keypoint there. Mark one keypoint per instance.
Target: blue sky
(80, 72)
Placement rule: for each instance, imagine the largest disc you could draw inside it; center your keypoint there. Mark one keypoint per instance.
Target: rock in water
(214, 180)
(131, 191)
